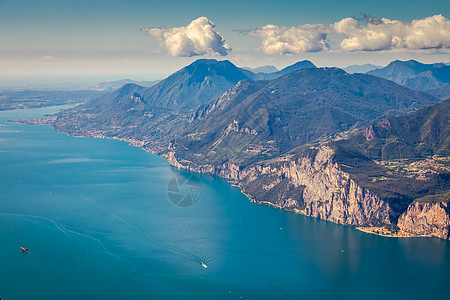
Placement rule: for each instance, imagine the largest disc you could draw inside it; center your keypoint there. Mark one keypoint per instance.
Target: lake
(100, 221)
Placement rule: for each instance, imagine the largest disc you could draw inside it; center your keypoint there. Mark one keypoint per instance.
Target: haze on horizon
(149, 39)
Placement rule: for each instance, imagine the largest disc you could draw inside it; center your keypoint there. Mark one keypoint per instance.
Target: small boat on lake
(24, 250)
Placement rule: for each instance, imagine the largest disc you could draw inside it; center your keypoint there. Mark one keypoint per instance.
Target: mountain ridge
(300, 65)
(415, 75)
(272, 138)
(294, 109)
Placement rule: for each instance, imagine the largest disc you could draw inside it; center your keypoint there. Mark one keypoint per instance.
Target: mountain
(399, 70)
(109, 100)
(426, 132)
(304, 64)
(441, 93)
(292, 110)
(194, 85)
(139, 112)
(370, 176)
(415, 75)
(341, 182)
(109, 86)
(187, 88)
(402, 158)
(296, 142)
(361, 68)
(262, 69)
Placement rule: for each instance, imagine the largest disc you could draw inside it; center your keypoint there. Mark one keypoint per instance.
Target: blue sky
(49, 37)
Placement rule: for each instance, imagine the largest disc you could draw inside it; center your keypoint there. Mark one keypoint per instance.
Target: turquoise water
(97, 219)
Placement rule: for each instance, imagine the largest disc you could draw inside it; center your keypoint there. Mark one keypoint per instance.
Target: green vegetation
(260, 121)
(380, 178)
(416, 167)
(445, 197)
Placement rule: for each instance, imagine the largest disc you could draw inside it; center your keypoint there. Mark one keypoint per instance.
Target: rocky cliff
(314, 185)
(431, 219)
(311, 184)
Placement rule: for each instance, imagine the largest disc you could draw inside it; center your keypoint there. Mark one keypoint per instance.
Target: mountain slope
(441, 93)
(294, 109)
(423, 133)
(415, 75)
(262, 69)
(194, 84)
(361, 68)
(109, 86)
(348, 182)
(300, 65)
(187, 88)
(114, 98)
(401, 158)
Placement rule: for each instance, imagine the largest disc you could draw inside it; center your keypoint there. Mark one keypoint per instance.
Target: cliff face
(310, 184)
(432, 219)
(315, 186)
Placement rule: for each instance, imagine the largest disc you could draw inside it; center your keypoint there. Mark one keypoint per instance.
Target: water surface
(97, 219)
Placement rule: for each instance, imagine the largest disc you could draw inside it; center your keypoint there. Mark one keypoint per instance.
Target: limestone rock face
(312, 185)
(319, 188)
(432, 219)
(316, 186)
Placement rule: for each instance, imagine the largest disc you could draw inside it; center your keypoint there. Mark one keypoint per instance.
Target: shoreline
(380, 231)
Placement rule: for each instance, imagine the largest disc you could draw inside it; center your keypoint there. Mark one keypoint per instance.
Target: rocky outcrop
(316, 186)
(430, 219)
(309, 184)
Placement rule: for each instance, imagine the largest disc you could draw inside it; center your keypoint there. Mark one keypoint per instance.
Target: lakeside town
(382, 231)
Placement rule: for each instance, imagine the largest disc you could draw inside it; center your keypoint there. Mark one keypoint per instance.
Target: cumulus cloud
(197, 38)
(372, 35)
(385, 34)
(288, 40)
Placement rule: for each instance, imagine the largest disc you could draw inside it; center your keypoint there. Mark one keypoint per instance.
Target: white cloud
(197, 38)
(289, 40)
(378, 34)
(428, 33)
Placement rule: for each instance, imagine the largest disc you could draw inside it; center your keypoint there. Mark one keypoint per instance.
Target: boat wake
(203, 261)
(68, 232)
(174, 249)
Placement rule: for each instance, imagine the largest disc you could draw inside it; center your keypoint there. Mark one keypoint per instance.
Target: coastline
(380, 231)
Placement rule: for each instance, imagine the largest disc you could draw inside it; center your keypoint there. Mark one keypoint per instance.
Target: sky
(150, 39)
